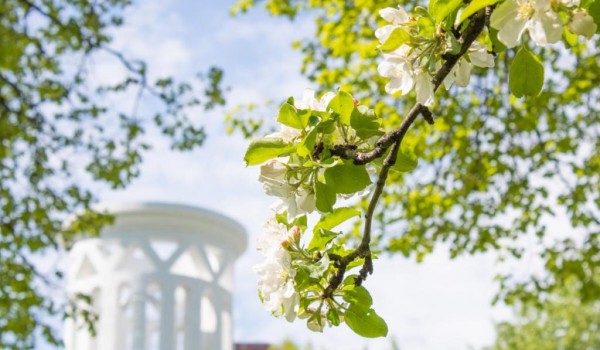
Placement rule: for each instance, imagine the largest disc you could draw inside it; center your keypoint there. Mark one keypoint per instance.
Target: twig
(394, 139)
(466, 39)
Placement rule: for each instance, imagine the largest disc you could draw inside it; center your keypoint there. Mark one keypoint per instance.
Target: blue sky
(440, 304)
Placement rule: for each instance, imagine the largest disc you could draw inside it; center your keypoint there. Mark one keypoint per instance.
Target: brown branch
(467, 38)
(394, 139)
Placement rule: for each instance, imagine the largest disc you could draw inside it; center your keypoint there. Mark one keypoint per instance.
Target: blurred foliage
(563, 323)
(494, 169)
(61, 131)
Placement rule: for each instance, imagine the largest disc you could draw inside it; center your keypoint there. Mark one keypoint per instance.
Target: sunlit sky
(439, 304)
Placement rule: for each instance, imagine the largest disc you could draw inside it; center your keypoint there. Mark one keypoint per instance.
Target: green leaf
(326, 126)
(473, 7)
(425, 22)
(336, 217)
(397, 37)
(365, 323)
(288, 115)
(320, 239)
(343, 104)
(302, 278)
(439, 9)
(316, 270)
(347, 178)
(358, 296)
(526, 76)
(452, 45)
(497, 45)
(594, 11)
(570, 38)
(406, 160)
(300, 221)
(266, 148)
(365, 124)
(305, 147)
(282, 218)
(325, 197)
(333, 316)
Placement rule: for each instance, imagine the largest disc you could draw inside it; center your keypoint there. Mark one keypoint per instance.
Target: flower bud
(315, 323)
(582, 23)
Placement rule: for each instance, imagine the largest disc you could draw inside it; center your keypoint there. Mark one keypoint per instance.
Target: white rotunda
(160, 277)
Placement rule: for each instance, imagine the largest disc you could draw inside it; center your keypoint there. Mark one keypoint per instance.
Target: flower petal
(424, 89)
(511, 32)
(479, 56)
(384, 32)
(545, 28)
(450, 78)
(507, 10)
(463, 73)
(394, 15)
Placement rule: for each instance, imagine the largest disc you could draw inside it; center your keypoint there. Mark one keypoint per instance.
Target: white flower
(286, 133)
(272, 175)
(477, 55)
(424, 88)
(275, 273)
(395, 16)
(397, 66)
(296, 203)
(513, 17)
(293, 199)
(582, 23)
(306, 200)
(310, 102)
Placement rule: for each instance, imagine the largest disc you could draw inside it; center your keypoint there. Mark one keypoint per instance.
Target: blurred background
(434, 299)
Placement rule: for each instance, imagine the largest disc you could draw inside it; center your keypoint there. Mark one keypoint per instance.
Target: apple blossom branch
(394, 139)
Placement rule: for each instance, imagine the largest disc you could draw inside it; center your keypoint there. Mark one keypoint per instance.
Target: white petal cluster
(513, 17)
(296, 200)
(275, 273)
(398, 65)
(396, 17)
(287, 134)
(309, 101)
(478, 56)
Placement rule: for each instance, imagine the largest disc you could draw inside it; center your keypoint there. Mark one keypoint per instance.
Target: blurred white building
(161, 278)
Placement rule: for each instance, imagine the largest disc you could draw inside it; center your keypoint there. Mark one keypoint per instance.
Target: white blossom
(293, 199)
(460, 74)
(513, 17)
(309, 101)
(272, 176)
(397, 66)
(275, 273)
(395, 16)
(582, 23)
(424, 88)
(296, 203)
(287, 134)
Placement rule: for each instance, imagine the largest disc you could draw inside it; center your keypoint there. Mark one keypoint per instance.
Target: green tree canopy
(563, 322)
(59, 131)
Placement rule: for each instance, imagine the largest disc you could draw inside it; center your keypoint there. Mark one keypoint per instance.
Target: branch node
(427, 115)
